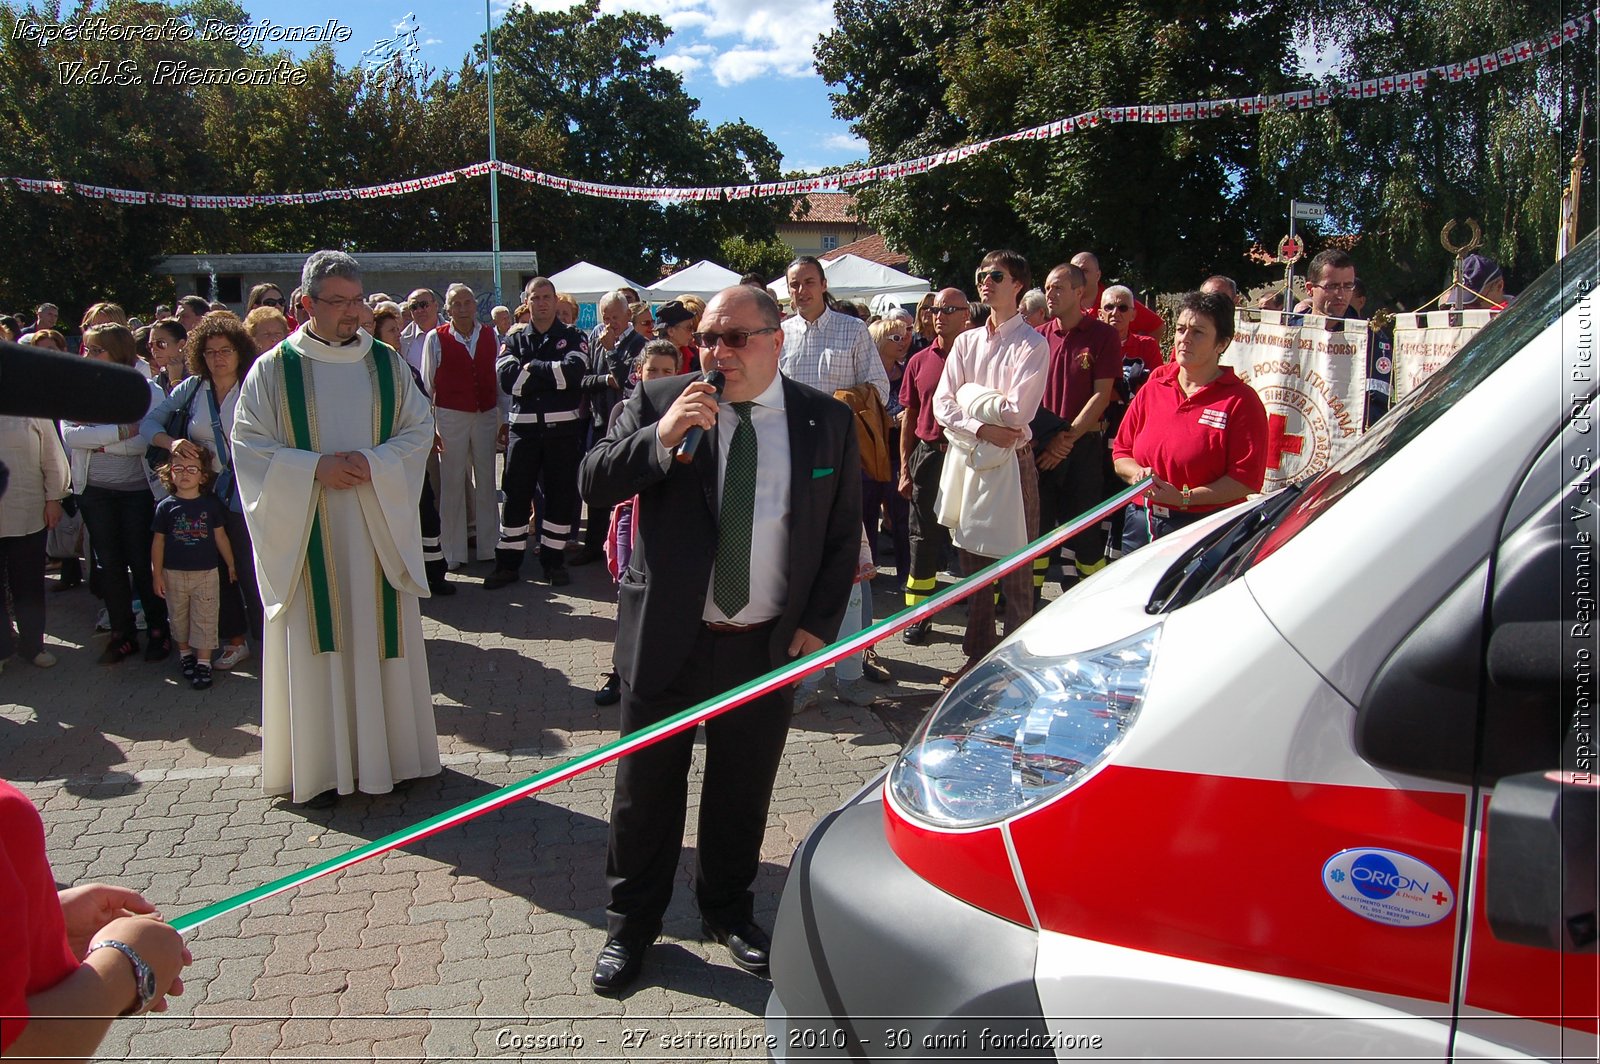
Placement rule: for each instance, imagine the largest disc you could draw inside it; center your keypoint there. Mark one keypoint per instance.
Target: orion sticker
(1388, 887)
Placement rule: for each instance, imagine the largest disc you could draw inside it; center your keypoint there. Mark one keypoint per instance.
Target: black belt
(729, 628)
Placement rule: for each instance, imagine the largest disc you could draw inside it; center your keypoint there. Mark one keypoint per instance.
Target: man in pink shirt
(1007, 356)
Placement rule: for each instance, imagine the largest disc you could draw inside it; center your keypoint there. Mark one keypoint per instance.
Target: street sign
(1307, 212)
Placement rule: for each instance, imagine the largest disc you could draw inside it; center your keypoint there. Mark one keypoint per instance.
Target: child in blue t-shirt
(190, 537)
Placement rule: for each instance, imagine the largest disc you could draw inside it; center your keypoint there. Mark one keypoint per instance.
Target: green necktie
(730, 587)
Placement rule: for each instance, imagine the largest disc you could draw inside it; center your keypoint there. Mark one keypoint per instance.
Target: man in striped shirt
(822, 347)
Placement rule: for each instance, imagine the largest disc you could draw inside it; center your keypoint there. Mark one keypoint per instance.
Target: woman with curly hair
(220, 353)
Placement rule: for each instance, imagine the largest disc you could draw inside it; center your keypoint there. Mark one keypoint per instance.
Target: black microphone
(691, 439)
(39, 383)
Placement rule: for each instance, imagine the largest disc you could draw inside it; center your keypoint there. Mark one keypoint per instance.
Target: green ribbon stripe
(674, 724)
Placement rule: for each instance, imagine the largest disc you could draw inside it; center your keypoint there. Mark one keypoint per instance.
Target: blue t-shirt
(190, 526)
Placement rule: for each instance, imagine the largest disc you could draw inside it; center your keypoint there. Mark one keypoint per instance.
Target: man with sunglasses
(1145, 321)
(424, 307)
(1085, 364)
(743, 561)
(922, 449)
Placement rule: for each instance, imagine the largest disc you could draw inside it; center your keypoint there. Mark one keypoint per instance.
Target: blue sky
(742, 59)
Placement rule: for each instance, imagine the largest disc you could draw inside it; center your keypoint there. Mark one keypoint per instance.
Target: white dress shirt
(831, 353)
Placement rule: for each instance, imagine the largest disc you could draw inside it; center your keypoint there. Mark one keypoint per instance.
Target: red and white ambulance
(1311, 779)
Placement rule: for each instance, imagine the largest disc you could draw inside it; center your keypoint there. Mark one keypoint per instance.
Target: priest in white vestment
(331, 442)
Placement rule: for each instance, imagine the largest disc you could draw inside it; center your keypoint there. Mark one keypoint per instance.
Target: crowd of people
(745, 475)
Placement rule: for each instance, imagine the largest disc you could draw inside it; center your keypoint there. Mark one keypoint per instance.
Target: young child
(657, 359)
(189, 539)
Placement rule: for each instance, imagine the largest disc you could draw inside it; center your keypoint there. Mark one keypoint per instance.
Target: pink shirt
(1014, 360)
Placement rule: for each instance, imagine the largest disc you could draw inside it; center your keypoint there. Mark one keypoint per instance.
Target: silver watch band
(144, 979)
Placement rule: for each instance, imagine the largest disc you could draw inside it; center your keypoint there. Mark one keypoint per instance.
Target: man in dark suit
(742, 559)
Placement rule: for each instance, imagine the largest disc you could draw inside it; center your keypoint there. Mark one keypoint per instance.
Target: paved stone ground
(476, 943)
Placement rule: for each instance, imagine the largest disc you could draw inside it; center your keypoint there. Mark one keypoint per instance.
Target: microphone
(39, 383)
(691, 439)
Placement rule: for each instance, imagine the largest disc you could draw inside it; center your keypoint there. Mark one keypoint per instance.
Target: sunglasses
(1109, 307)
(992, 276)
(950, 310)
(274, 302)
(897, 337)
(734, 338)
(185, 469)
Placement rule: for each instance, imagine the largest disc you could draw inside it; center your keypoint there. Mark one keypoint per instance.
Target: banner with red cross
(1312, 375)
(1424, 342)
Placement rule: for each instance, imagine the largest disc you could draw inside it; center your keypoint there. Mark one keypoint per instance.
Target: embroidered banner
(1424, 342)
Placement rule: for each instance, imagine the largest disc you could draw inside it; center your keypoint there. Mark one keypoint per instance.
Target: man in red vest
(458, 361)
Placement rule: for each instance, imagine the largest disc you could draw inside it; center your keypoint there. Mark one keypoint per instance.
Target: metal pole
(1288, 271)
(494, 173)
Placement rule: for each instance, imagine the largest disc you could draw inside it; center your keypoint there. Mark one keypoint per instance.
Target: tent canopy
(705, 279)
(853, 277)
(586, 282)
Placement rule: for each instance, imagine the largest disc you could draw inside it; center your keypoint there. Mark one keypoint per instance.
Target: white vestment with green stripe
(345, 698)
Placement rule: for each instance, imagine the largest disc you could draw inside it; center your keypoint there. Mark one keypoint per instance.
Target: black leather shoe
(610, 692)
(500, 578)
(586, 556)
(617, 966)
(558, 576)
(747, 944)
(916, 634)
(442, 587)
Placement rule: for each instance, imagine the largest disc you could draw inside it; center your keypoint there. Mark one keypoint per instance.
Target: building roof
(826, 207)
(873, 249)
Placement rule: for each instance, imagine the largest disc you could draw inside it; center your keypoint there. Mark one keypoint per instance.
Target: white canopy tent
(853, 277)
(586, 282)
(705, 279)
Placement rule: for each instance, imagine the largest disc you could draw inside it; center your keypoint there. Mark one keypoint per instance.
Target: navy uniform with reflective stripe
(543, 373)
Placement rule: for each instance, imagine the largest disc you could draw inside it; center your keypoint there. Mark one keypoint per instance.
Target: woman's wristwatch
(143, 977)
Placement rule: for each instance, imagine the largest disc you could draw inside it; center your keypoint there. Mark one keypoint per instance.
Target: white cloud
(681, 63)
(844, 142)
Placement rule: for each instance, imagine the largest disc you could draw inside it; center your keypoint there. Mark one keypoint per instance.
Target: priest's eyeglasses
(341, 305)
(734, 338)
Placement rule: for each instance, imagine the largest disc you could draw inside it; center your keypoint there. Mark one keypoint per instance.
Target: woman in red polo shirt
(1195, 427)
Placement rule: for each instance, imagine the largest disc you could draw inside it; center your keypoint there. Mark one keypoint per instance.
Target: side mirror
(1541, 888)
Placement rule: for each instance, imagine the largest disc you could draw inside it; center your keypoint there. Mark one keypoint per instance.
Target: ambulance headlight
(1020, 729)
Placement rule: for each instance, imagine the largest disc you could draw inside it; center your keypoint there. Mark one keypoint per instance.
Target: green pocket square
(818, 474)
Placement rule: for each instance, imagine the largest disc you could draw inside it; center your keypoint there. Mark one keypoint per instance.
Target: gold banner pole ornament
(1460, 251)
(1290, 250)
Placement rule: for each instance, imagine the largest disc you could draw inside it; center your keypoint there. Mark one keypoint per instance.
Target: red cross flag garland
(1148, 113)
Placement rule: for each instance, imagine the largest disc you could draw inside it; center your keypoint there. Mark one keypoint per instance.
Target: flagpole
(1567, 236)
(494, 170)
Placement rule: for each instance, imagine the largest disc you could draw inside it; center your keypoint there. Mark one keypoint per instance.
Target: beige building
(828, 225)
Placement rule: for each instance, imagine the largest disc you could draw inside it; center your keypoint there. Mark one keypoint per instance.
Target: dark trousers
(598, 522)
(1018, 587)
(1140, 526)
(119, 531)
(743, 749)
(239, 609)
(545, 460)
(433, 563)
(22, 573)
(1074, 486)
(928, 538)
(878, 496)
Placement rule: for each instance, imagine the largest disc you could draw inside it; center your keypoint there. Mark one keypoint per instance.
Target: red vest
(462, 381)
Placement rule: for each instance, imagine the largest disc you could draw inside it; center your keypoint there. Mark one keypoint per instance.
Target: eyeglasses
(734, 338)
(92, 349)
(992, 276)
(158, 342)
(219, 352)
(185, 469)
(1109, 307)
(896, 337)
(1342, 286)
(341, 305)
(274, 302)
(950, 310)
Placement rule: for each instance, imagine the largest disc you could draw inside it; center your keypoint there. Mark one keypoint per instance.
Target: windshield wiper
(1193, 571)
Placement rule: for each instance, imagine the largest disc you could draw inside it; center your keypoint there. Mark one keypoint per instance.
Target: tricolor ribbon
(678, 722)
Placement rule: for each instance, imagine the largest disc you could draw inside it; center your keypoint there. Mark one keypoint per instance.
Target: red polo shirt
(1190, 441)
(917, 385)
(1079, 356)
(1145, 321)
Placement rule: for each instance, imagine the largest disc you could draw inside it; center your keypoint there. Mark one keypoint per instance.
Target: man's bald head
(952, 315)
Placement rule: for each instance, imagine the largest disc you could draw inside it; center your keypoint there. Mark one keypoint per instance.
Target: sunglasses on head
(993, 276)
(734, 338)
